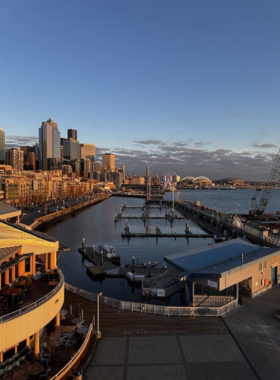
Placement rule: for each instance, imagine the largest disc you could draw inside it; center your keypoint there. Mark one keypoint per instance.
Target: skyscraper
(49, 144)
(88, 152)
(108, 161)
(72, 134)
(71, 149)
(2, 146)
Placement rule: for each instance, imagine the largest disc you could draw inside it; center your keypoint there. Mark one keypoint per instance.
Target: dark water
(97, 226)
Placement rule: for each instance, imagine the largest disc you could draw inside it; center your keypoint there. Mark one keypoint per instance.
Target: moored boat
(110, 253)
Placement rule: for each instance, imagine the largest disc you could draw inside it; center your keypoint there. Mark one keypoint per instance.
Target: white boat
(107, 251)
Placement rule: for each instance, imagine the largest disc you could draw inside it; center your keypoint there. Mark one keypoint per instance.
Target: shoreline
(54, 216)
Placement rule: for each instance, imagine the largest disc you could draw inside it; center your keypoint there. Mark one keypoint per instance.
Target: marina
(96, 225)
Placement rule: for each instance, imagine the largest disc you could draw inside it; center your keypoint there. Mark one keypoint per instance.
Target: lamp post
(98, 333)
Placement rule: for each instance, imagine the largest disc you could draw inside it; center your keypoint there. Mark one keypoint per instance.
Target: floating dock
(110, 270)
(162, 235)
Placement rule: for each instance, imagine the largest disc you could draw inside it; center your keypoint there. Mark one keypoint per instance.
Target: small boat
(218, 238)
(110, 253)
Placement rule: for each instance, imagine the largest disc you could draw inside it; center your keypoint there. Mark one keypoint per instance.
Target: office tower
(72, 134)
(31, 161)
(2, 146)
(14, 157)
(88, 152)
(49, 144)
(71, 149)
(108, 161)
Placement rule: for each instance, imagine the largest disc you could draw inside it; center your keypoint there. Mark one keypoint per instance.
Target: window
(27, 264)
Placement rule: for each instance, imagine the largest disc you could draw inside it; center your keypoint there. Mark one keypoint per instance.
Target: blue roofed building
(218, 274)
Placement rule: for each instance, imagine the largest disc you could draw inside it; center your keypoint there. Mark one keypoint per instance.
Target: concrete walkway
(246, 347)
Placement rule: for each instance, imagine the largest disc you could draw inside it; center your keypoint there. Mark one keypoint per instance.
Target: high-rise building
(14, 157)
(49, 144)
(31, 161)
(72, 134)
(108, 162)
(88, 152)
(71, 149)
(2, 146)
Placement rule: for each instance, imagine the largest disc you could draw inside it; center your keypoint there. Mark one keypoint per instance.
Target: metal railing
(178, 311)
(68, 366)
(34, 305)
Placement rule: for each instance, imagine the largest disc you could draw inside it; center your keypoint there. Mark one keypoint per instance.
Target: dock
(151, 217)
(110, 270)
(162, 235)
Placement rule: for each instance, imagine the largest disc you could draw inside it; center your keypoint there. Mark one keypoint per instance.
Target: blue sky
(184, 85)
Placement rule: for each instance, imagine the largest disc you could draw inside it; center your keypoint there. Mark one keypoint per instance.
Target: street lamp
(98, 333)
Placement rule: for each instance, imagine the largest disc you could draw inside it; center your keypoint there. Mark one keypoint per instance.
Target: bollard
(149, 270)
(132, 265)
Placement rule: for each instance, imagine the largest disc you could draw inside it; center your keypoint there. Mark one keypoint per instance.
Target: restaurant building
(25, 256)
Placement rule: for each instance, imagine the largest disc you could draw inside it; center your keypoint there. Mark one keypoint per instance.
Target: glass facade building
(49, 144)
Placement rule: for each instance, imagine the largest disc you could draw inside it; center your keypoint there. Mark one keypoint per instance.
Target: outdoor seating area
(23, 291)
(23, 366)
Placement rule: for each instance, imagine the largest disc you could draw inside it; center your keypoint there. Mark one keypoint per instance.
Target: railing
(179, 311)
(67, 368)
(212, 300)
(34, 305)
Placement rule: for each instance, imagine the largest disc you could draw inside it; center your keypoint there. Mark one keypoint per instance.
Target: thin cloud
(149, 142)
(12, 141)
(264, 146)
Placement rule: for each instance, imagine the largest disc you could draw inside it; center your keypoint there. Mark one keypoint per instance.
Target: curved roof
(201, 178)
(188, 178)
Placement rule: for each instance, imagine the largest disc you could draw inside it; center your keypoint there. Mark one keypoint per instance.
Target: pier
(162, 235)
(102, 267)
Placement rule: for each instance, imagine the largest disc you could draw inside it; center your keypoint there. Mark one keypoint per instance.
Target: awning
(11, 263)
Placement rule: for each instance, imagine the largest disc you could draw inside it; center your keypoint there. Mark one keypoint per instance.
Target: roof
(12, 235)
(240, 262)
(6, 208)
(197, 259)
(7, 252)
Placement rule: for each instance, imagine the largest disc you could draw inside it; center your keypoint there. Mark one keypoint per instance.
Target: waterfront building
(137, 180)
(2, 146)
(15, 158)
(49, 145)
(108, 162)
(72, 134)
(219, 274)
(21, 251)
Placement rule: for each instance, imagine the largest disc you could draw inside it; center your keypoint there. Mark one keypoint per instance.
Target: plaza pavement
(247, 347)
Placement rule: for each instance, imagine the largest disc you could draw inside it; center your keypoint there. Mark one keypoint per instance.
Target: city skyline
(186, 86)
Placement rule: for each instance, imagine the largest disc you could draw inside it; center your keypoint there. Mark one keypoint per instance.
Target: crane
(257, 208)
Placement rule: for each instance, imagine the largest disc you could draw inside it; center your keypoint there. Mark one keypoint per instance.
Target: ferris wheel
(168, 180)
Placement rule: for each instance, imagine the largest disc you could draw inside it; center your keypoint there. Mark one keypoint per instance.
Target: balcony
(35, 309)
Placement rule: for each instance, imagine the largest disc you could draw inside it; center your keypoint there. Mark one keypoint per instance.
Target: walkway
(244, 345)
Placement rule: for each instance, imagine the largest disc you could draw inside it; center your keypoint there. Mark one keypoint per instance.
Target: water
(96, 224)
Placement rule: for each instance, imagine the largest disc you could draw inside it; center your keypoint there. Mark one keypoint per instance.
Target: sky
(189, 86)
